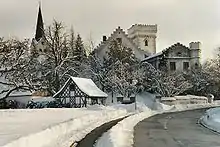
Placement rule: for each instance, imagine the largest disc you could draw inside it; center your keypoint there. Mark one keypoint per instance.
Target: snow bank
(185, 99)
(53, 127)
(121, 135)
(182, 107)
(212, 119)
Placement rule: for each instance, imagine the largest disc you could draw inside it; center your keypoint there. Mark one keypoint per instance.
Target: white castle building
(141, 39)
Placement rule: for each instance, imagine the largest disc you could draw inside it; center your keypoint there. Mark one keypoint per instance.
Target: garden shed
(79, 92)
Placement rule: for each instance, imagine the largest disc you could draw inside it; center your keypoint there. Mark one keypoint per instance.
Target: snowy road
(178, 129)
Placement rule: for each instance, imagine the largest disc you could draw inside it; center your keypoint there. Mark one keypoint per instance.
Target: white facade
(144, 36)
(103, 47)
(178, 57)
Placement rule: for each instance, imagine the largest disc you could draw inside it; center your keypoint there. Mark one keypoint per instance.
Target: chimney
(104, 38)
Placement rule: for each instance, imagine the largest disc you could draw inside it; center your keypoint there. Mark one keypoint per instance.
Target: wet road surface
(179, 129)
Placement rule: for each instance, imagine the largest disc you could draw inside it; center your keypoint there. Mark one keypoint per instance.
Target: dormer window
(119, 40)
(146, 42)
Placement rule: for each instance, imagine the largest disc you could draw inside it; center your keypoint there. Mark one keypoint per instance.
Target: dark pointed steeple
(40, 26)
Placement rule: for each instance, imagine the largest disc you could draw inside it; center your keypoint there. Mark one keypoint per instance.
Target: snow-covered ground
(61, 127)
(212, 119)
(53, 127)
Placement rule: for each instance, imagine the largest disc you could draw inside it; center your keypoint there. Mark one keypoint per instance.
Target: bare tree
(15, 67)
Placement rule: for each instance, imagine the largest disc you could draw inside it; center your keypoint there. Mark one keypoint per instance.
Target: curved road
(179, 129)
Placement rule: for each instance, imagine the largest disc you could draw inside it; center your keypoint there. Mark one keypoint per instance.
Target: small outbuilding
(79, 92)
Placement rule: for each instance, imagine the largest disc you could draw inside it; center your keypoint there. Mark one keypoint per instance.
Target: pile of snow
(121, 135)
(53, 127)
(181, 107)
(212, 119)
(185, 99)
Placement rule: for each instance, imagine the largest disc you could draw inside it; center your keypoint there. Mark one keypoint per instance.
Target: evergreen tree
(79, 51)
(118, 52)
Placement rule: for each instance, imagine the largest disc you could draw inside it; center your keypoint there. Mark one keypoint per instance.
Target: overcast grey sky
(178, 20)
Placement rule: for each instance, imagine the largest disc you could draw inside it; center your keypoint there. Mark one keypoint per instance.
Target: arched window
(196, 65)
(146, 43)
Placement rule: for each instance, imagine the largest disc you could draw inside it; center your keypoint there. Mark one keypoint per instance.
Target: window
(179, 54)
(196, 65)
(119, 40)
(72, 87)
(40, 50)
(172, 66)
(146, 43)
(72, 90)
(185, 65)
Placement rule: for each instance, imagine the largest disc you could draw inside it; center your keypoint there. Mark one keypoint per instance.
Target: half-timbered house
(80, 92)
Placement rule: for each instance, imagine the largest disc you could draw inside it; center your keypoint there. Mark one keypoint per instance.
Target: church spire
(40, 25)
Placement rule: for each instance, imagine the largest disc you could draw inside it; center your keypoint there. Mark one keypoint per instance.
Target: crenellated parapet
(142, 28)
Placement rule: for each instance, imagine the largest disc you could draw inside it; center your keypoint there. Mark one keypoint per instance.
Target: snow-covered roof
(85, 85)
(153, 56)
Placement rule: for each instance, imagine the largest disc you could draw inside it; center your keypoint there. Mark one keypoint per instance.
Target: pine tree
(118, 52)
(79, 51)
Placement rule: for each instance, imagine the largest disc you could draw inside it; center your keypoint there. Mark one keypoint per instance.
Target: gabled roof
(153, 56)
(87, 86)
(119, 29)
(172, 47)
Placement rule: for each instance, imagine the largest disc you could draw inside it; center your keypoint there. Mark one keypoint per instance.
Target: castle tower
(40, 26)
(144, 36)
(195, 53)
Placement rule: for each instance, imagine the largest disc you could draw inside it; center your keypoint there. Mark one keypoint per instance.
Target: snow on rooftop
(153, 56)
(88, 87)
(85, 85)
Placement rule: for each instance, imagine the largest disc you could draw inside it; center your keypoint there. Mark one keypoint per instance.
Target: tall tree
(79, 50)
(118, 52)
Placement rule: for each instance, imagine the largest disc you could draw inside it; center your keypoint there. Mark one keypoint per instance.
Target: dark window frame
(146, 42)
(172, 66)
(185, 65)
(119, 40)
